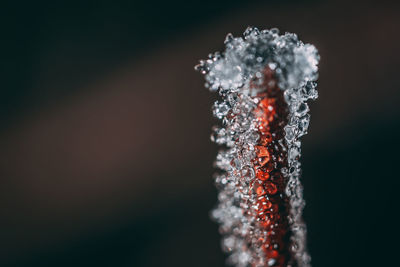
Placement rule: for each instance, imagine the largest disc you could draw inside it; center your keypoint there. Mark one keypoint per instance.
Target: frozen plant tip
(264, 80)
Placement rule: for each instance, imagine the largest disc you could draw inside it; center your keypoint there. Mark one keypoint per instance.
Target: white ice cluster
(295, 63)
(230, 73)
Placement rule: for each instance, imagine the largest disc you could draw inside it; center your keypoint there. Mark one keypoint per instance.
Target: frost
(230, 73)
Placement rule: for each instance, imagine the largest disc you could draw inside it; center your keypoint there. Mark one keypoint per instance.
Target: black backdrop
(105, 158)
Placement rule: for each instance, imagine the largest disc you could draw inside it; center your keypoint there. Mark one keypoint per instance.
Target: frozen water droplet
(274, 31)
(228, 243)
(290, 133)
(247, 172)
(294, 153)
(229, 38)
(302, 110)
(290, 96)
(223, 160)
(253, 137)
(219, 135)
(309, 91)
(304, 122)
(220, 109)
(271, 262)
(251, 32)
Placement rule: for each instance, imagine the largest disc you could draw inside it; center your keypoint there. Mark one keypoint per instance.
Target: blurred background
(105, 158)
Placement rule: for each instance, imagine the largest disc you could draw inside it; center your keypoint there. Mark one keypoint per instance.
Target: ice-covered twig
(264, 80)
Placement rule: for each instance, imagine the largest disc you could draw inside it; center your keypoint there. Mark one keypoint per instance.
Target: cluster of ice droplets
(295, 63)
(229, 73)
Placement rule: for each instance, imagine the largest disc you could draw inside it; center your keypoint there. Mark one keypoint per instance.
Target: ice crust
(229, 73)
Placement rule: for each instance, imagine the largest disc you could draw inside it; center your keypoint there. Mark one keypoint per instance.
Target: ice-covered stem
(264, 80)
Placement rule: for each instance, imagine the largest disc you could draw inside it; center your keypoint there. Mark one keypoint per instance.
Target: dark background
(105, 158)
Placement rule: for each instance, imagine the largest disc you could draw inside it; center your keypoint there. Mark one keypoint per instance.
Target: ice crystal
(237, 75)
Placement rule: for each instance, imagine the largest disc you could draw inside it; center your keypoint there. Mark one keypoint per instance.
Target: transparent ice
(229, 73)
